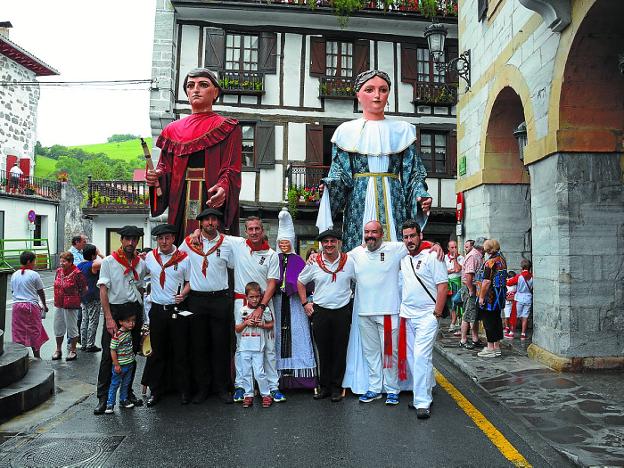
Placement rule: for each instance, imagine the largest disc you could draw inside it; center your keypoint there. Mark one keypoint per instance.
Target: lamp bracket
(461, 64)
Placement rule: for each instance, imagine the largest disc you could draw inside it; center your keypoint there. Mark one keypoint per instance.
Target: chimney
(4, 28)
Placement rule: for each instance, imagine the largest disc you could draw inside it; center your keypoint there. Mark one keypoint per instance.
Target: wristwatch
(262, 306)
(305, 303)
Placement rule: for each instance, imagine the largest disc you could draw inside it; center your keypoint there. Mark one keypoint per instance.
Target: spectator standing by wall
(90, 269)
(524, 294)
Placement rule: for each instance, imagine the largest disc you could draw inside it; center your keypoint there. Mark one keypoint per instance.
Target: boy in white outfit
(253, 337)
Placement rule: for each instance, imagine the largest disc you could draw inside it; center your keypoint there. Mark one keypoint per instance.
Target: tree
(121, 137)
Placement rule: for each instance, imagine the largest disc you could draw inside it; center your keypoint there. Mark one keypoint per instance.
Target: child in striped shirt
(123, 358)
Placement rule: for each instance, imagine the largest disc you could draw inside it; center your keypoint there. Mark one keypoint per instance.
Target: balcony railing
(336, 88)
(439, 94)
(117, 196)
(303, 181)
(12, 184)
(249, 83)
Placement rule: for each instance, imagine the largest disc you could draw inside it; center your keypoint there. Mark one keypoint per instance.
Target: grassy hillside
(44, 166)
(125, 150)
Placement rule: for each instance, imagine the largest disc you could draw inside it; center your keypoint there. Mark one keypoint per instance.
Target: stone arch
(587, 111)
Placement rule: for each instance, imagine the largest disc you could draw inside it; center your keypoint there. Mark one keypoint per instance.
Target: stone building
(558, 67)
(287, 75)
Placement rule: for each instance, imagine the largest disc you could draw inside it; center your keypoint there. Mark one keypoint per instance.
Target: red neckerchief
(263, 246)
(23, 268)
(176, 258)
(341, 264)
(121, 258)
(526, 274)
(199, 250)
(423, 245)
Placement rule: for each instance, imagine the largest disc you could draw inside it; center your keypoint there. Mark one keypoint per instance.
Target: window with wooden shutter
(317, 56)
(314, 144)
(409, 72)
(215, 48)
(451, 75)
(267, 54)
(433, 151)
(265, 145)
(361, 56)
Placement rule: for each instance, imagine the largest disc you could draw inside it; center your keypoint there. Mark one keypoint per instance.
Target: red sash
(120, 256)
(198, 249)
(176, 258)
(341, 264)
(263, 246)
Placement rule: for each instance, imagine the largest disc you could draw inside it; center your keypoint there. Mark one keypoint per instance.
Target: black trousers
(170, 358)
(210, 340)
(106, 362)
(493, 324)
(331, 333)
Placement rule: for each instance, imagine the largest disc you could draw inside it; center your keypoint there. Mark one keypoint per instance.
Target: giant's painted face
(373, 95)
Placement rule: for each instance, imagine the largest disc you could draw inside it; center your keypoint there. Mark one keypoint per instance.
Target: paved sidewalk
(580, 415)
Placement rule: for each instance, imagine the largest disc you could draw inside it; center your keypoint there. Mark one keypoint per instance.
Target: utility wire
(92, 83)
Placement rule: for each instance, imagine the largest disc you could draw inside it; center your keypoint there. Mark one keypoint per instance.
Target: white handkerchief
(185, 313)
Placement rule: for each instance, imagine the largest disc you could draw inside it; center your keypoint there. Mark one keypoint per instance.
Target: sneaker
(506, 330)
(278, 396)
(239, 395)
(467, 345)
(247, 401)
(126, 404)
(392, 399)
(523, 336)
(110, 409)
(423, 413)
(267, 401)
(369, 396)
(509, 334)
(487, 353)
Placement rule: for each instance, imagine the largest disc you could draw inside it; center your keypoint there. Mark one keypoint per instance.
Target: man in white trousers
(425, 286)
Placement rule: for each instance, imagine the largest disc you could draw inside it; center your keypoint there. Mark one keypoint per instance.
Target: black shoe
(94, 349)
(337, 396)
(185, 398)
(200, 397)
(478, 344)
(152, 401)
(423, 413)
(101, 407)
(134, 400)
(225, 397)
(322, 394)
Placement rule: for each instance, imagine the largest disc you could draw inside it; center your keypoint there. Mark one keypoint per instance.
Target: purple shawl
(295, 265)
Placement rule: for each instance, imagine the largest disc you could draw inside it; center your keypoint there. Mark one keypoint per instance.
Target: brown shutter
(409, 70)
(451, 153)
(317, 56)
(361, 56)
(267, 53)
(451, 74)
(265, 145)
(215, 48)
(314, 144)
(482, 9)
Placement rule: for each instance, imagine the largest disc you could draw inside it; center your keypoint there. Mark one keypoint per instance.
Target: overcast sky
(87, 40)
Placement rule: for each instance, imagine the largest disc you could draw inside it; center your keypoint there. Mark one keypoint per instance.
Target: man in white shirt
(15, 176)
(169, 270)
(211, 304)
(121, 285)
(254, 261)
(330, 311)
(421, 306)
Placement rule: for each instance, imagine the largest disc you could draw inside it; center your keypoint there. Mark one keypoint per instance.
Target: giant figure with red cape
(200, 161)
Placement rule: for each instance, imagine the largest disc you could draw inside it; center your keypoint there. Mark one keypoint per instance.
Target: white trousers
(380, 380)
(270, 359)
(421, 335)
(252, 367)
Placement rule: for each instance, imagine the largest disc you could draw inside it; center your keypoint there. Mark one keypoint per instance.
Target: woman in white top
(27, 290)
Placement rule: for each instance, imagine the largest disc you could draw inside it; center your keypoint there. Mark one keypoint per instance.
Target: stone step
(13, 363)
(35, 388)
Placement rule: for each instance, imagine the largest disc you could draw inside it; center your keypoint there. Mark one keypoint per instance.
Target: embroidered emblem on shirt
(418, 264)
(382, 256)
(262, 259)
(218, 252)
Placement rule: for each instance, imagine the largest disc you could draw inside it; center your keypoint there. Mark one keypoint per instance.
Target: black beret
(164, 229)
(329, 233)
(130, 231)
(207, 212)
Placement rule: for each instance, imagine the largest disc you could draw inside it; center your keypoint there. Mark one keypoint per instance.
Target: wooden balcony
(116, 197)
(302, 184)
(244, 83)
(331, 87)
(435, 94)
(23, 186)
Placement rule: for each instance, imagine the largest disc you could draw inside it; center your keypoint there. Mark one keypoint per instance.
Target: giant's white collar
(374, 137)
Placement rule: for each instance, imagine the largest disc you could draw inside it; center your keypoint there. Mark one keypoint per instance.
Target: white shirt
(175, 276)
(450, 265)
(416, 302)
(25, 287)
(377, 278)
(16, 171)
(327, 293)
(252, 266)
(121, 288)
(216, 278)
(78, 257)
(251, 338)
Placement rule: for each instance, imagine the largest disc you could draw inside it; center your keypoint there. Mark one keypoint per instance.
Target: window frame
(245, 167)
(340, 57)
(241, 51)
(448, 170)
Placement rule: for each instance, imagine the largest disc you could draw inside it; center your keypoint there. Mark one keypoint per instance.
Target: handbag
(445, 310)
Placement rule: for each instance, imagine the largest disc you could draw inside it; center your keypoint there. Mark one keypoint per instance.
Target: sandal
(72, 356)
(57, 355)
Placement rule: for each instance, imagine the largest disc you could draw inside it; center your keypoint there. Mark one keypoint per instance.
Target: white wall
(16, 225)
(103, 222)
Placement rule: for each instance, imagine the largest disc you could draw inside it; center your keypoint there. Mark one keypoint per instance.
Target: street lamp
(436, 35)
(520, 134)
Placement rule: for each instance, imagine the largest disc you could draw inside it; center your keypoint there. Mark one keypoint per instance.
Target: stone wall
(73, 222)
(578, 252)
(18, 112)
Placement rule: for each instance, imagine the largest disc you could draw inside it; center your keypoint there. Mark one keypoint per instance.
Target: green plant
(293, 198)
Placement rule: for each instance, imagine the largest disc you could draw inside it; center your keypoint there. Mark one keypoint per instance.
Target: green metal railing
(10, 250)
